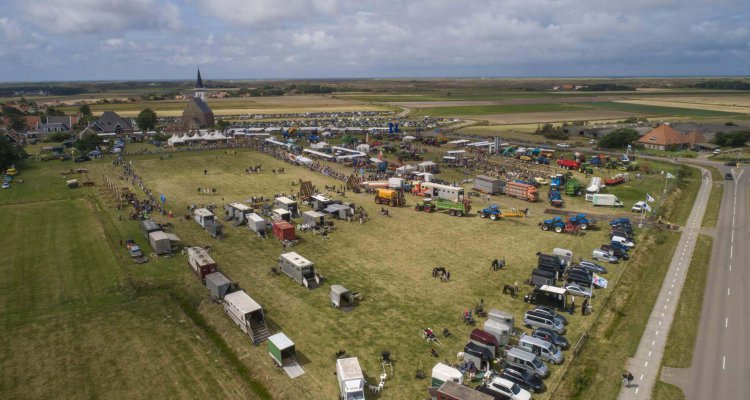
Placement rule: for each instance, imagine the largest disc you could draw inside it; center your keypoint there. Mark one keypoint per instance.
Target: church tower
(199, 92)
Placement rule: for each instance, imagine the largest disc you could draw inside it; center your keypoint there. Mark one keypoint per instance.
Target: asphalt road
(721, 366)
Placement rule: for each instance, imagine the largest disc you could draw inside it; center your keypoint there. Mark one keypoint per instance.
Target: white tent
(325, 134)
(175, 140)
(427, 164)
(365, 148)
(408, 138)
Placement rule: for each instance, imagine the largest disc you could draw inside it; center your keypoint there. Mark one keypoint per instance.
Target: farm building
(204, 217)
(218, 285)
(288, 204)
(201, 262)
(313, 218)
(299, 269)
(284, 230)
(282, 352)
(247, 314)
(664, 137)
(256, 223)
(486, 184)
(237, 212)
(281, 214)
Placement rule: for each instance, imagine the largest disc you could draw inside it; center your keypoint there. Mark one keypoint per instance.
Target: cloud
(101, 16)
(254, 13)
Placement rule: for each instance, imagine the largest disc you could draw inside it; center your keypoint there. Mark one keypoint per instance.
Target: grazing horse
(438, 272)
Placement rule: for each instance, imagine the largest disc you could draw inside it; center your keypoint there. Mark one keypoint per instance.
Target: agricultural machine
(558, 225)
(391, 197)
(454, 208)
(494, 213)
(555, 198)
(569, 164)
(573, 187)
(581, 221)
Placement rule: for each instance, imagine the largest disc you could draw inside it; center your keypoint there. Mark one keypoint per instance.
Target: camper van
(526, 361)
(545, 350)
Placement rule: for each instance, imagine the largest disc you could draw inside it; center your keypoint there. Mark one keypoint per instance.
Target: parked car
(6, 185)
(728, 176)
(577, 290)
(592, 141)
(524, 379)
(622, 241)
(536, 320)
(552, 313)
(592, 266)
(508, 389)
(552, 337)
(618, 252)
(604, 255)
(563, 145)
(731, 163)
(717, 151)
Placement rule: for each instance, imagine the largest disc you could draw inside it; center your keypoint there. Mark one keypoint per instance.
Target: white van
(543, 349)
(623, 241)
(526, 361)
(601, 255)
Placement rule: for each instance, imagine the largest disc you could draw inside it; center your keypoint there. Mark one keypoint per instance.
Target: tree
(89, 141)
(10, 152)
(51, 112)
(17, 122)
(551, 132)
(619, 138)
(85, 111)
(146, 120)
(222, 125)
(733, 139)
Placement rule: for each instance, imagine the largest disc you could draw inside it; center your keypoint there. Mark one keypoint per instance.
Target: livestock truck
(522, 191)
(605, 200)
(351, 380)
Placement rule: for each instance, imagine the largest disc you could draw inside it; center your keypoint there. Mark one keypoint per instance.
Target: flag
(669, 176)
(649, 198)
(599, 281)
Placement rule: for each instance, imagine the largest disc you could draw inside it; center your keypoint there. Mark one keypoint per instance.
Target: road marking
(636, 389)
(729, 290)
(649, 354)
(731, 252)
(726, 322)
(659, 323)
(670, 292)
(723, 362)
(665, 306)
(732, 236)
(646, 364)
(730, 267)
(672, 287)
(662, 315)
(652, 343)
(657, 333)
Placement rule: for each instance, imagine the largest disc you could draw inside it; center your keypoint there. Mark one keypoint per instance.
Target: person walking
(572, 304)
(585, 306)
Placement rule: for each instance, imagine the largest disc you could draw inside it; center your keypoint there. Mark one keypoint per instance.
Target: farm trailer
(351, 380)
(299, 269)
(436, 190)
(237, 212)
(201, 263)
(257, 224)
(391, 197)
(454, 208)
(218, 284)
(284, 230)
(283, 353)
(247, 314)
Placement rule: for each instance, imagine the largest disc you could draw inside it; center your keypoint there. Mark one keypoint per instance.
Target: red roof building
(664, 137)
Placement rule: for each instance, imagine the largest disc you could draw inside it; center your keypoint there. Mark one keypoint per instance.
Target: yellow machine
(394, 198)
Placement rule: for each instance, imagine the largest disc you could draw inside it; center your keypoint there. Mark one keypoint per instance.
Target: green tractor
(454, 208)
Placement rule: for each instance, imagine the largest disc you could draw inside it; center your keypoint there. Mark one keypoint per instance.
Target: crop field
(491, 109)
(73, 327)
(683, 111)
(729, 104)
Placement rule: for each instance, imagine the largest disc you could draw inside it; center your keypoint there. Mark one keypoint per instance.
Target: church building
(198, 114)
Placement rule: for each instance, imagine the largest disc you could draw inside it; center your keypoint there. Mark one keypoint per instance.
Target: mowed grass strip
(681, 342)
(657, 110)
(493, 109)
(596, 372)
(665, 391)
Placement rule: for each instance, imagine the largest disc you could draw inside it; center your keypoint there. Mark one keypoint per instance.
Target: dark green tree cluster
(15, 118)
(549, 131)
(146, 120)
(606, 87)
(724, 85)
(619, 138)
(10, 152)
(89, 141)
(731, 139)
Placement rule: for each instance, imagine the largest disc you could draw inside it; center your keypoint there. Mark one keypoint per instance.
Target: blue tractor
(493, 212)
(555, 198)
(556, 224)
(581, 221)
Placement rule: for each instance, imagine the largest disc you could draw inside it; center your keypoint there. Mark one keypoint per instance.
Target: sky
(59, 40)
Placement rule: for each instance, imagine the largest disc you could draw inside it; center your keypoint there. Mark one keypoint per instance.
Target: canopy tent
(175, 140)
(427, 164)
(409, 138)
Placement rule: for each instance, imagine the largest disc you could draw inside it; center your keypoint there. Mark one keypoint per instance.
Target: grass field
(665, 391)
(658, 110)
(457, 111)
(713, 205)
(388, 259)
(678, 352)
(73, 327)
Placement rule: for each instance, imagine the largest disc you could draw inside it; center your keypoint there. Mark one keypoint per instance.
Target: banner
(599, 281)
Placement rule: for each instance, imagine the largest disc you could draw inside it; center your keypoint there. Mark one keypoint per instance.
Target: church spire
(199, 81)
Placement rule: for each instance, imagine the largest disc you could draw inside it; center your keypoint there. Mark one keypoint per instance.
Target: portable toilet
(442, 373)
(313, 218)
(283, 230)
(288, 204)
(501, 316)
(281, 214)
(256, 223)
(218, 285)
(500, 330)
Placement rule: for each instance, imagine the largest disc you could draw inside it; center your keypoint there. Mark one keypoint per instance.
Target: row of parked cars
(621, 239)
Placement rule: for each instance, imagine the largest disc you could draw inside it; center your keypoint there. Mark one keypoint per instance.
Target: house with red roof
(664, 137)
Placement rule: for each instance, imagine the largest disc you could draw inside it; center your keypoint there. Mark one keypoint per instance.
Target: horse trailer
(237, 212)
(218, 285)
(341, 296)
(204, 217)
(256, 223)
(486, 184)
(288, 204)
(313, 219)
(280, 214)
(247, 314)
(160, 242)
(201, 262)
(299, 269)
(320, 202)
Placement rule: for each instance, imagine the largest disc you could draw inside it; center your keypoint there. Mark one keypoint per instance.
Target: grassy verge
(681, 342)
(713, 205)
(683, 190)
(615, 336)
(665, 391)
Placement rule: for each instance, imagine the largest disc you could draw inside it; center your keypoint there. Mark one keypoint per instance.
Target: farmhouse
(664, 137)
(110, 122)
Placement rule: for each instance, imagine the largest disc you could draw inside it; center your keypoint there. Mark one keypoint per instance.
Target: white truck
(605, 200)
(351, 380)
